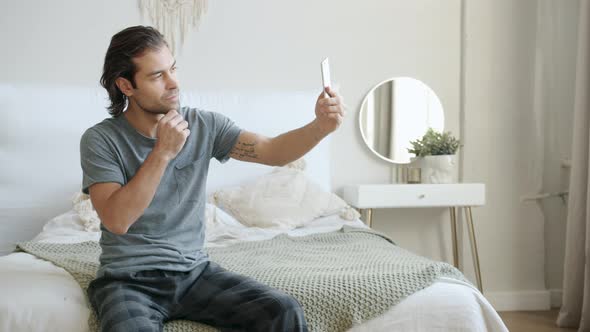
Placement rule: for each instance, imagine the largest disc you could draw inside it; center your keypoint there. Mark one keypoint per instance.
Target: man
(145, 171)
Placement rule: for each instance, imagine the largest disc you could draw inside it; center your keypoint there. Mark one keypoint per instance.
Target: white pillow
(220, 225)
(82, 223)
(79, 224)
(284, 198)
(83, 207)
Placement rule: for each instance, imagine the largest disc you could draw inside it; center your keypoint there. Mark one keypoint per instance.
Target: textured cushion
(284, 198)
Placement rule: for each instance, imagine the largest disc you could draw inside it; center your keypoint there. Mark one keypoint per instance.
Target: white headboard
(40, 133)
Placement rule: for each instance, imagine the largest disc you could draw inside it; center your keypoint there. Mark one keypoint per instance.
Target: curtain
(383, 103)
(575, 310)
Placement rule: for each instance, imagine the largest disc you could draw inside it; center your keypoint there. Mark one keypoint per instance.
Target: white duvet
(36, 295)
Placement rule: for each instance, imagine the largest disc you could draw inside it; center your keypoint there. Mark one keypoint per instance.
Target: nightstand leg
(474, 248)
(369, 217)
(454, 236)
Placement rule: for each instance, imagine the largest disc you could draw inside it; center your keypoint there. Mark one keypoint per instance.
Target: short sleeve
(225, 136)
(99, 162)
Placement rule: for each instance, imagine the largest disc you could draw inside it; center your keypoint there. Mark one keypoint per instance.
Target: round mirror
(395, 112)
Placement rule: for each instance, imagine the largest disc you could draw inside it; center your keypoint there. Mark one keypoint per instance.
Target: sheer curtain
(575, 310)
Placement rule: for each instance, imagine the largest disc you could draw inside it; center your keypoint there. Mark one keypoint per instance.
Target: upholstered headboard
(41, 128)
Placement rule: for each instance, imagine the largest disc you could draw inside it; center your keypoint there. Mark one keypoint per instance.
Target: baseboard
(556, 295)
(520, 300)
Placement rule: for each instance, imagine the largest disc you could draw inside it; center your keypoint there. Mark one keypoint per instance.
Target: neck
(146, 123)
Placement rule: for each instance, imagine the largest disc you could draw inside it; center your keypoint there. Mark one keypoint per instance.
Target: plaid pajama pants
(143, 301)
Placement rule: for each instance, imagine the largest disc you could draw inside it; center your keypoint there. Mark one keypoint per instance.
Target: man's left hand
(329, 111)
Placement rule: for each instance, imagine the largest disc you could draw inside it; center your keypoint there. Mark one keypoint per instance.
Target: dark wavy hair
(125, 45)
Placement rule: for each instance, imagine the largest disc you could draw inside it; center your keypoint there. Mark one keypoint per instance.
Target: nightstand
(454, 196)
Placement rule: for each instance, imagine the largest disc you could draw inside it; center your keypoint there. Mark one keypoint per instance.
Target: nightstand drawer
(415, 195)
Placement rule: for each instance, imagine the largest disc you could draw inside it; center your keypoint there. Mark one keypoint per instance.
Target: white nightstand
(454, 196)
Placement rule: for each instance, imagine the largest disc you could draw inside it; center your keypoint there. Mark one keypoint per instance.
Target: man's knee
(119, 309)
(131, 320)
(289, 315)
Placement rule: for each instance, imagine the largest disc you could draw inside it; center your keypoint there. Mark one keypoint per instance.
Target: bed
(39, 151)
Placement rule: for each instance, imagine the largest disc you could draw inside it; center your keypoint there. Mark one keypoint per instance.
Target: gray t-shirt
(170, 233)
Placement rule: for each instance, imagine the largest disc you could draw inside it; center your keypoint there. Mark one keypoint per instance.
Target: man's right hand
(171, 135)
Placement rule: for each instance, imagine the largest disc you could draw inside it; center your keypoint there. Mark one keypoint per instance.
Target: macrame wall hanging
(173, 18)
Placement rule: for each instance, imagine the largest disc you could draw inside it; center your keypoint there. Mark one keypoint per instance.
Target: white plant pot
(436, 169)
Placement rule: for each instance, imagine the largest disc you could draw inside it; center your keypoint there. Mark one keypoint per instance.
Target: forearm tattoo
(245, 150)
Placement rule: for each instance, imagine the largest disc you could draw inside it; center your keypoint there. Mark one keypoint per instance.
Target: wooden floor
(537, 321)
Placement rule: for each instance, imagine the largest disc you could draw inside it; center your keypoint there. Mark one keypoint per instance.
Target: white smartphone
(326, 74)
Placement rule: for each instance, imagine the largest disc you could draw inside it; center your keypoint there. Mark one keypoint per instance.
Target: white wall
(274, 45)
(262, 45)
(499, 100)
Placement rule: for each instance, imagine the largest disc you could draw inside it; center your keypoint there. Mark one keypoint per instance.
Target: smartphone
(326, 75)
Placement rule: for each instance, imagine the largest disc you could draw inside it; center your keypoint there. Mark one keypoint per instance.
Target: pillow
(79, 224)
(84, 219)
(83, 207)
(284, 198)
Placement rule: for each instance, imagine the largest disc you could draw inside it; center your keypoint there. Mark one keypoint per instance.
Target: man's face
(157, 89)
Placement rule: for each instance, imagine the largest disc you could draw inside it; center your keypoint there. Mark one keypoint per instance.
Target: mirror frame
(391, 161)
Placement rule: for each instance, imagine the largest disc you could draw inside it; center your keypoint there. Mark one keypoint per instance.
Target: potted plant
(436, 156)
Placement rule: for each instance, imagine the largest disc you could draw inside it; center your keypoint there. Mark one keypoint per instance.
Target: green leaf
(434, 143)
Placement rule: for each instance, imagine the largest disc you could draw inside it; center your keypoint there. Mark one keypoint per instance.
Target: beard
(162, 108)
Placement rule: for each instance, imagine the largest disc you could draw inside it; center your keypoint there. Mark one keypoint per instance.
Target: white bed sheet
(39, 296)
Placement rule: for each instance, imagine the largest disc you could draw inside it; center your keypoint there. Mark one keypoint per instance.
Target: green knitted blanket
(341, 278)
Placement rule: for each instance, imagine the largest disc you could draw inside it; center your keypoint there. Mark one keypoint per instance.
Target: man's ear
(125, 86)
